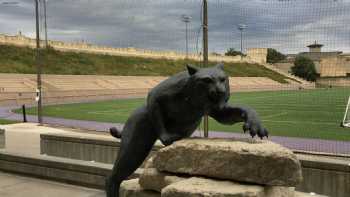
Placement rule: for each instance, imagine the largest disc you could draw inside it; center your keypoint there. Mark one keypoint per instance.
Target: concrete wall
(327, 64)
(87, 149)
(286, 67)
(326, 176)
(256, 55)
(333, 67)
(64, 170)
(321, 175)
(334, 81)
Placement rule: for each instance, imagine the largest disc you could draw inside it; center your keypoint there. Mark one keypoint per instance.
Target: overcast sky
(287, 25)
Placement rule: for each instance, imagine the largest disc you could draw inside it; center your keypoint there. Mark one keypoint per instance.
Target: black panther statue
(173, 111)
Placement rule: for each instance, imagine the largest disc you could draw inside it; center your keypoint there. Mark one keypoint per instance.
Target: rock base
(202, 187)
(194, 187)
(218, 168)
(132, 188)
(253, 161)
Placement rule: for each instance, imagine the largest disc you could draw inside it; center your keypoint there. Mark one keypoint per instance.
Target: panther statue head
(210, 86)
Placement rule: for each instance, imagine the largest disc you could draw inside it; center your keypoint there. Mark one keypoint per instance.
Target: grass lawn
(302, 113)
(21, 60)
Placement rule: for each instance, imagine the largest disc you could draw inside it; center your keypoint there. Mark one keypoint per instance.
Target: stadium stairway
(303, 83)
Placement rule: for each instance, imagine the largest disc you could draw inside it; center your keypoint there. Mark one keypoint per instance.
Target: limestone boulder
(200, 187)
(253, 161)
(203, 187)
(302, 194)
(279, 191)
(152, 179)
(149, 163)
(131, 188)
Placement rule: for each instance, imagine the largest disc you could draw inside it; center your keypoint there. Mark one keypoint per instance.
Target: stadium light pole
(241, 28)
(186, 19)
(38, 63)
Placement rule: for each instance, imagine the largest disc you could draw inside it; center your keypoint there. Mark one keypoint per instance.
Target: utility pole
(38, 63)
(205, 58)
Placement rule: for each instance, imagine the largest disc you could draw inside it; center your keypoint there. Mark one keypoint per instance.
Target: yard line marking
(234, 98)
(275, 115)
(296, 110)
(103, 112)
(301, 122)
(295, 104)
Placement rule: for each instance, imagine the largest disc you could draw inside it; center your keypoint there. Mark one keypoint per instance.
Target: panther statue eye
(207, 80)
(223, 79)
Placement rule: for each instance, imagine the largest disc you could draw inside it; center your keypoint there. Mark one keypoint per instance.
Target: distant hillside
(22, 60)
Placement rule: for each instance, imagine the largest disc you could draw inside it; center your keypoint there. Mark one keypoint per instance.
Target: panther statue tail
(115, 132)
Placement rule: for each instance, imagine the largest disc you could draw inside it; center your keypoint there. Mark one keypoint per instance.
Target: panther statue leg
(137, 140)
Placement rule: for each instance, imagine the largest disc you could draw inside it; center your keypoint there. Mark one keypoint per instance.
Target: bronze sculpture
(173, 111)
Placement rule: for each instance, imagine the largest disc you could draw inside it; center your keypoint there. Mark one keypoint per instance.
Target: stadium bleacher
(16, 89)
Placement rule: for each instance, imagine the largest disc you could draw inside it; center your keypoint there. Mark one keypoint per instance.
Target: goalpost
(346, 119)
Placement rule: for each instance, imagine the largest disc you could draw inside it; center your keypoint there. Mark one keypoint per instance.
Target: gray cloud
(287, 25)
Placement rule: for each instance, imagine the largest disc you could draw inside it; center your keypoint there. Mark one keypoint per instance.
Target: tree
(274, 56)
(305, 68)
(233, 52)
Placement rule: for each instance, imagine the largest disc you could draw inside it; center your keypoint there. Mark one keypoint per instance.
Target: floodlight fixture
(241, 28)
(186, 19)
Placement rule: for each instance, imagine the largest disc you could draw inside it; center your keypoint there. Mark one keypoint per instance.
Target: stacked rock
(218, 167)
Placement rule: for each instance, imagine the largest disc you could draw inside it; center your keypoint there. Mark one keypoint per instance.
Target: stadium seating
(16, 89)
(16, 83)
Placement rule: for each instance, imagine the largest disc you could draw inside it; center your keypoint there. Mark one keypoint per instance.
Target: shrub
(233, 52)
(305, 68)
(274, 56)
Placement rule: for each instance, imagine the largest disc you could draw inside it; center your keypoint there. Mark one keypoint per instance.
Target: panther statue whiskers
(173, 111)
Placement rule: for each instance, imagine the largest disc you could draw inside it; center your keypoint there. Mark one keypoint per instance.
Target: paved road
(316, 145)
(19, 186)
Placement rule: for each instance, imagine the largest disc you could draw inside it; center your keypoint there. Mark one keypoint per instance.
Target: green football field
(302, 113)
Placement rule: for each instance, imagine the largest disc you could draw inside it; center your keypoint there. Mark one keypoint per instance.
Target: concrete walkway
(302, 144)
(19, 186)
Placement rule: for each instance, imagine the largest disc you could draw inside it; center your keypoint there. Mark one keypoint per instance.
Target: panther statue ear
(191, 69)
(220, 66)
